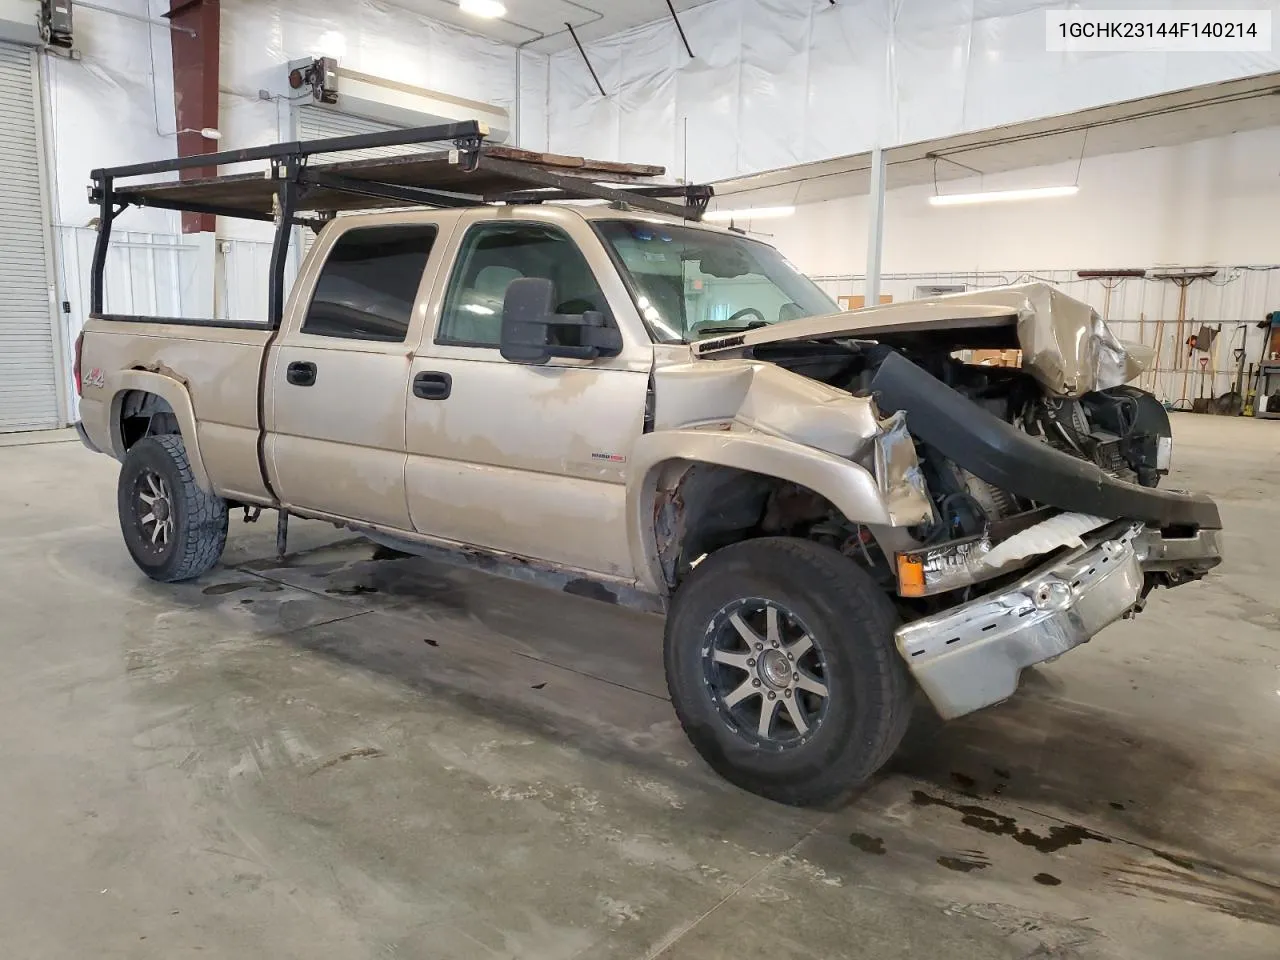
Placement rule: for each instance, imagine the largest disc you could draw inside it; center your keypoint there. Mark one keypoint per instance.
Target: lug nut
(786, 692)
(755, 683)
(795, 677)
(791, 656)
(772, 695)
(751, 661)
(759, 646)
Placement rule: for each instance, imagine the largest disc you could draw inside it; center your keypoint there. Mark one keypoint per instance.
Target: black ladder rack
(467, 171)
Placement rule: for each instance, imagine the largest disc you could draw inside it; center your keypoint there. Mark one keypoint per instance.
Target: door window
(368, 286)
(494, 254)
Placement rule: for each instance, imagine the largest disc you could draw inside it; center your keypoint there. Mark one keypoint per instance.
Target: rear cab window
(369, 283)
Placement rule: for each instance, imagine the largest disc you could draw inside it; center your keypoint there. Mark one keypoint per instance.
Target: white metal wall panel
(28, 369)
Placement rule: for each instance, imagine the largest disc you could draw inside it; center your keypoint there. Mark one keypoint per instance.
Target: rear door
(339, 375)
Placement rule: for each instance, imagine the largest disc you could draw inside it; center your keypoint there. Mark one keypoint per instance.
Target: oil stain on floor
(1003, 825)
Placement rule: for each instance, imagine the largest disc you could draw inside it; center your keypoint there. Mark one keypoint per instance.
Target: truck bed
(218, 364)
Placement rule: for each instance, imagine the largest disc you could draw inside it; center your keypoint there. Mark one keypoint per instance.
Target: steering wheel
(743, 312)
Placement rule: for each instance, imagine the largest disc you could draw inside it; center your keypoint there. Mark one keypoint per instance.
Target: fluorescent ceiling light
(489, 9)
(996, 196)
(759, 213)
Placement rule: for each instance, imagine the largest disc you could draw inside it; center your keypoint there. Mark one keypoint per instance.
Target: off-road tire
(870, 690)
(199, 530)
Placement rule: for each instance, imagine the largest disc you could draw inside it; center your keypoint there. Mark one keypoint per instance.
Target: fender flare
(172, 392)
(850, 487)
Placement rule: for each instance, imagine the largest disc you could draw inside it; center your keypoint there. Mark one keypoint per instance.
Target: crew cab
(831, 509)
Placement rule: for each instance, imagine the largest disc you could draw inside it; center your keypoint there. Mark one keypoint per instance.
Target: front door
(527, 460)
(339, 376)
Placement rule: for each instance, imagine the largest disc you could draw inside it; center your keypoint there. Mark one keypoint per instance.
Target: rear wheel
(173, 529)
(783, 670)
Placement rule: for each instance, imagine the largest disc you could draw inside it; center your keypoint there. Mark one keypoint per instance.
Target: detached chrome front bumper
(971, 656)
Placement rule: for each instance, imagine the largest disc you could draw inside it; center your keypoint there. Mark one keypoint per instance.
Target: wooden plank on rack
(574, 163)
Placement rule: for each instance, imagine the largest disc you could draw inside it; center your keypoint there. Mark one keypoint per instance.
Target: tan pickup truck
(831, 509)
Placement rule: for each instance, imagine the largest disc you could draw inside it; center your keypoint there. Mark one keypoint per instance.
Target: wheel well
(143, 415)
(705, 507)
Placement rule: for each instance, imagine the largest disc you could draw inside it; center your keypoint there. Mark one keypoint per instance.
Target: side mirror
(533, 333)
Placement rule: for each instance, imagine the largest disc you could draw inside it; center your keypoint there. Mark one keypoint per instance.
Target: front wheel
(782, 668)
(173, 529)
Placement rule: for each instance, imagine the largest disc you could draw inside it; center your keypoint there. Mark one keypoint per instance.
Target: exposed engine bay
(1123, 430)
(1011, 513)
(990, 468)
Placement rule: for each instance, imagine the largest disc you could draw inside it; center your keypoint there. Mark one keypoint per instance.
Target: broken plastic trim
(969, 560)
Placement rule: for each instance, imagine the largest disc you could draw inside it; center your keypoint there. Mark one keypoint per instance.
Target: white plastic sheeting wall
(260, 37)
(778, 82)
(531, 114)
(115, 106)
(109, 108)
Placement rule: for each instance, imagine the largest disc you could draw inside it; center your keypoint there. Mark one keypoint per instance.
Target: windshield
(692, 283)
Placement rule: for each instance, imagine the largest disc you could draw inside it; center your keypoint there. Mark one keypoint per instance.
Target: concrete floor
(355, 755)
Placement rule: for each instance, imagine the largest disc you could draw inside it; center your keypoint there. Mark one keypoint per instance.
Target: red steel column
(195, 88)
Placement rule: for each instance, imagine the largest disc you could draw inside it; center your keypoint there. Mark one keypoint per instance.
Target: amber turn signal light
(910, 575)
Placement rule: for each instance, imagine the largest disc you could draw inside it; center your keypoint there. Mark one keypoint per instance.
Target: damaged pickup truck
(831, 509)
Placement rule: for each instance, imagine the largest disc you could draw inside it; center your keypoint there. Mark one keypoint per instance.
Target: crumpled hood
(1065, 345)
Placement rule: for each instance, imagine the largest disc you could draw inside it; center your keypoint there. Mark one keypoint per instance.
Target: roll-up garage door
(28, 368)
(317, 123)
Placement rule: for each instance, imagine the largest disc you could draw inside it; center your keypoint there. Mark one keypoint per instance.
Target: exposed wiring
(137, 18)
(1080, 163)
(155, 93)
(50, 97)
(963, 166)
(273, 98)
(935, 157)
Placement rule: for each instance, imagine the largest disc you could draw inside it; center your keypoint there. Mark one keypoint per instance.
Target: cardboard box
(859, 301)
(997, 358)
